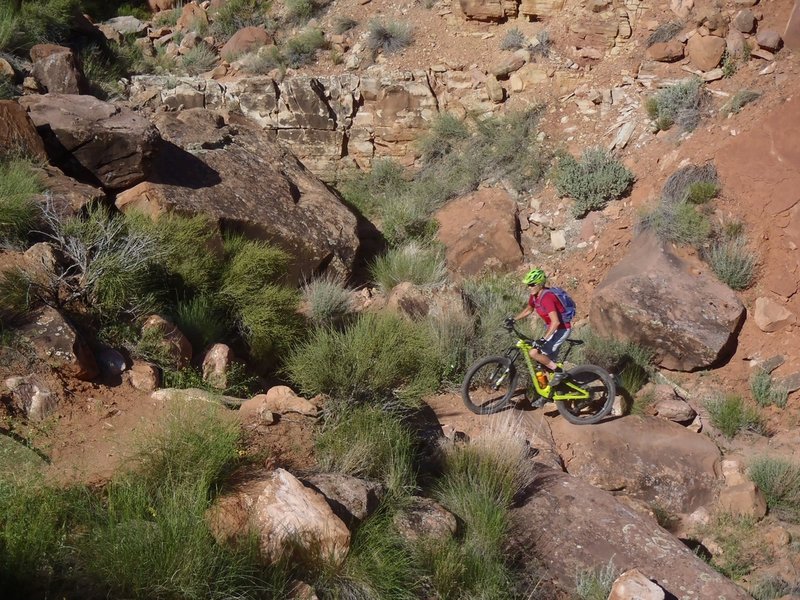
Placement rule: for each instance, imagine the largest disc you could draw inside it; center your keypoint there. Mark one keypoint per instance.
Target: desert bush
(422, 265)
(235, 14)
(445, 134)
(779, 481)
(701, 192)
(765, 391)
(250, 266)
(664, 33)
(595, 584)
(491, 298)
(454, 332)
(301, 50)
(300, 11)
(542, 44)
(772, 587)
(730, 415)
(678, 186)
(593, 181)
(327, 299)
(514, 39)
(202, 321)
(733, 262)
(199, 59)
(679, 103)
(371, 443)
(8, 90)
(679, 223)
(16, 295)
(377, 359)
(736, 536)
(19, 211)
(367, 192)
(739, 100)
(632, 361)
(730, 64)
(343, 24)
(388, 38)
(45, 21)
(262, 61)
(269, 322)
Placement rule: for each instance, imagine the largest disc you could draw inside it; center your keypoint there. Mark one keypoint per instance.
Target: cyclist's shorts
(552, 346)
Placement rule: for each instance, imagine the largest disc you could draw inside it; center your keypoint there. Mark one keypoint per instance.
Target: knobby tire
(482, 393)
(602, 390)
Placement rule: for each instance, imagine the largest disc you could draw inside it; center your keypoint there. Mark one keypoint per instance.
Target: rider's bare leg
(543, 359)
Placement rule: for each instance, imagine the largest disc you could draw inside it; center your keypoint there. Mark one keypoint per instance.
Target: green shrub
(8, 90)
(701, 192)
(733, 262)
(302, 49)
(492, 297)
(19, 211)
(779, 481)
(630, 360)
(455, 333)
(514, 39)
(772, 587)
(664, 33)
(764, 390)
(269, 322)
(202, 321)
(593, 181)
(739, 100)
(16, 295)
(262, 61)
(235, 14)
(199, 59)
(8, 26)
(379, 358)
(342, 25)
(679, 103)
(300, 11)
(167, 18)
(731, 415)
(367, 192)
(45, 21)
(730, 64)
(251, 265)
(388, 38)
(678, 186)
(446, 133)
(740, 550)
(327, 299)
(370, 443)
(416, 263)
(595, 584)
(542, 44)
(679, 223)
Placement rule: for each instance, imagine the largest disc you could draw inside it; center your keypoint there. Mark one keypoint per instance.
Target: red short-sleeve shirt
(546, 302)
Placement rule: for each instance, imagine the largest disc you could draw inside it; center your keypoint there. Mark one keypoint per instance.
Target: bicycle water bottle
(542, 379)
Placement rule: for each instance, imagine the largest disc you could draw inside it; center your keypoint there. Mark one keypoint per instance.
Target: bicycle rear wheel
(489, 385)
(601, 390)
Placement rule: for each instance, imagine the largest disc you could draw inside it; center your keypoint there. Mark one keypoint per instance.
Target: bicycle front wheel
(489, 385)
(599, 388)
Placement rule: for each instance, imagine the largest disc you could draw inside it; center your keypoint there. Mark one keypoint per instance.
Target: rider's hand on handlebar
(508, 323)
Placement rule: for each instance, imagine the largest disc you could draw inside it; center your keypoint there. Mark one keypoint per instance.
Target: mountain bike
(585, 396)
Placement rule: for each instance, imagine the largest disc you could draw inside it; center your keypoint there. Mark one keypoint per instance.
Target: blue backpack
(568, 303)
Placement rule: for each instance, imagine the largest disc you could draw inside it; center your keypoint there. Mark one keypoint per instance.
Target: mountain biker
(549, 308)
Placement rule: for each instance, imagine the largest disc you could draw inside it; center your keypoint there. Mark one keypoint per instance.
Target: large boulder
(247, 39)
(572, 526)
(18, 133)
(56, 69)
(650, 459)
(93, 140)
(479, 232)
(705, 52)
(235, 173)
(658, 300)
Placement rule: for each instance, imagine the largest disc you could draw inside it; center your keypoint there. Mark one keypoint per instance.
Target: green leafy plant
(389, 38)
(764, 390)
(593, 181)
(730, 415)
(422, 265)
(45, 21)
(679, 103)
(514, 39)
(779, 481)
(377, 359)
(19, 210)
(269, 322)
(733, 262)
(250, 266)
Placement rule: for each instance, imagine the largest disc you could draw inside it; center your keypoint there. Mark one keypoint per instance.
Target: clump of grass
(737, 538)
(16, 295)
(701, 192)
(455, 333)
(779, 481)
(47, 21)
(301, 49)
(595, 584)
(413, 262)
(342, 25)
(664, 33)
(250, 266)
(202, 321)
(542, 44)
(377, 359)
(772, 587)
(8, 90)
(300, 11)
(764, 390)
(447, 132)
(679, 103)
(631, 361)
(514, 39)
(19, 210)
(733, 262)
(388, 38)
(730, 64)
(369, 192)
(679, 186)
(739, 100)
(327, 299)
(730, 415)
(371, 443)
(593, 181)
(199, 59)
(262, 61)
(167, 18)
(269, 322)
(233, 15)
(491, 298)
(679, 223)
